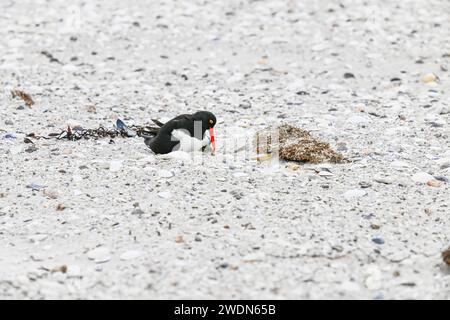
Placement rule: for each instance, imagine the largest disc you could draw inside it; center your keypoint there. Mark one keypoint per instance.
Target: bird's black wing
(183, 117)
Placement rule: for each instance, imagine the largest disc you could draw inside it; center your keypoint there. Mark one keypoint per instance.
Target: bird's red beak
(213, 140)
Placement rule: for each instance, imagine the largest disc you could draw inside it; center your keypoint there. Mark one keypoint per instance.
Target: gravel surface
(90, 219)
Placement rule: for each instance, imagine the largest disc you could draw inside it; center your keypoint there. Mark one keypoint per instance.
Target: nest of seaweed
(295, 144)
(446, 256)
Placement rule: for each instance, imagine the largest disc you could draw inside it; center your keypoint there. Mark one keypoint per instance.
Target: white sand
(140, 226)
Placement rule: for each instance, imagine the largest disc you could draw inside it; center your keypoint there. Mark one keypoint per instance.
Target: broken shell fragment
(429, 77)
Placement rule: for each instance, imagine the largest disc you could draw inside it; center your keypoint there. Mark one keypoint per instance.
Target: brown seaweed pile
(446, 256)
(295, 144)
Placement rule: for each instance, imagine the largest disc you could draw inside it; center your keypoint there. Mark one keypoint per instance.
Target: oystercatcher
(185, 132)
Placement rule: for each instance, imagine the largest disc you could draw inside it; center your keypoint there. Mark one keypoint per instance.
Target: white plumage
(188, 143)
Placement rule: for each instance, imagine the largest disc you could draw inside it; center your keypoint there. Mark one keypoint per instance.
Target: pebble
(365, 185)
(342, 146)
(166, 173)
(60, 207)
(239, 174)
(15, 150)
(429, 77)
(443, 163)
(357, 120)
(10, 136)
(74, 124)
(130, 255)
(354, 194)
(443, 110)
(400, 164)
(77, 178)
(378, 240)
(70, 68)
(73, 271)
(61, 268)
(325, 174)
(422, 177)
(237, 194)
(91, 109)
(440, 123)
(31, 149)
(35, 187)
(165, 194)
(263, 157)
(254, 257)
(384, 180)
(293, 167)
(434, 183)
(138, 212)
(348, 75)
(373, 279)
(442, 178)
(115, 165)
(99, 255)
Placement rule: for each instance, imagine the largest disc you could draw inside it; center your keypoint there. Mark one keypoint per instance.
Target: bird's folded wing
(187, 143)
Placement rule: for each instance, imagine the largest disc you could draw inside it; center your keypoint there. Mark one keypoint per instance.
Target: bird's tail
(147, 132)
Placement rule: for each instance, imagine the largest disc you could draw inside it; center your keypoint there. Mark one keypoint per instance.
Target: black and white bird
(186, 132)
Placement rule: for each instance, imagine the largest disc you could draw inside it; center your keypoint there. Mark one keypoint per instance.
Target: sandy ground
(135, 225)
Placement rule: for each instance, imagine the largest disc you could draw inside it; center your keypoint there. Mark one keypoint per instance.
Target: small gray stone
(442, 178)
(237, 194)
(365, 184)
(31, 149)
(444, 163)
(378, 240)
(138, 212)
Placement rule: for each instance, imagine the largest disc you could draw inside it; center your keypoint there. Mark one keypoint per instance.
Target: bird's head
(208, 122)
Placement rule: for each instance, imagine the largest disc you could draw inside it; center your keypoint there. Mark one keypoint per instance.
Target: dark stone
(348, 75)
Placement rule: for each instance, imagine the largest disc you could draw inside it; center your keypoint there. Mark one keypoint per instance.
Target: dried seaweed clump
(24, 96)
(446, 256)
(295, 144)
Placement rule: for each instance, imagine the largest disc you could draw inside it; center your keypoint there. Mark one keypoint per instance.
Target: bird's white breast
(188, 143)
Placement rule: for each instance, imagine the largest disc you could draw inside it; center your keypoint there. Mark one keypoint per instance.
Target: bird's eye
(211, 121)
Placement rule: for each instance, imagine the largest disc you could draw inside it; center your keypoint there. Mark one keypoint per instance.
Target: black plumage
(162, 141)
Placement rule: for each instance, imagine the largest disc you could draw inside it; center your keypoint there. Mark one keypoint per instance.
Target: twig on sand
(24, 96)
